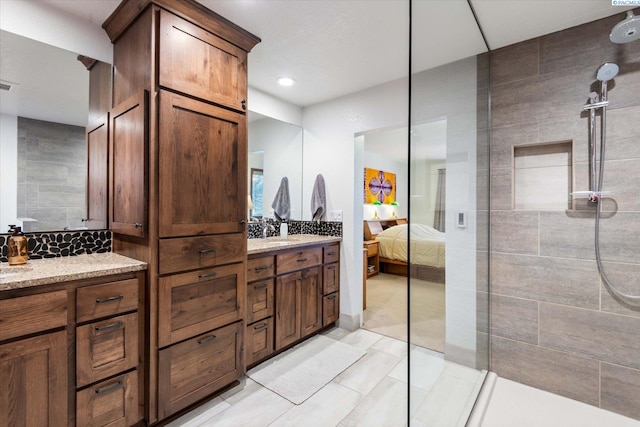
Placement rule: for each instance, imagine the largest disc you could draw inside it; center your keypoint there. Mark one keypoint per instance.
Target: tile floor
(371, 392)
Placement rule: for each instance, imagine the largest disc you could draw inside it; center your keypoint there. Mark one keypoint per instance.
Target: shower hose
(628, 298)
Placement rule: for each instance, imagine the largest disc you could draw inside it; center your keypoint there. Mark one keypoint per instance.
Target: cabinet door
(195, 302)
(288, 309)
(331, 308)
(97, 162)
(193, 369)
(106, 348)
(311, 301)
(258, 340)
(203, 168)
(331, 278)
(113, 402)
(33, 389)
(260, 298)
(129, 147)
(198, 63)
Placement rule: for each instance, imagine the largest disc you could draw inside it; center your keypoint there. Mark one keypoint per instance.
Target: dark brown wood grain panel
(260, 300)
(33, 390)
(260, 268)
(34, 313)
(129, 147)
(259, 340)
(191, 303)
(330, 308)
(97, 175)
(288, 309)
(298, 259)
(108, 299)
(311, 301)
(203, 168)
(113, 402)
(189, 253)
(331, 278)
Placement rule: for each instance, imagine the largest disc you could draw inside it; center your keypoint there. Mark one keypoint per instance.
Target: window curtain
(438, 217)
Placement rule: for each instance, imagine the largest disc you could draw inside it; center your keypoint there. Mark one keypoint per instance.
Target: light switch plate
(335, 216)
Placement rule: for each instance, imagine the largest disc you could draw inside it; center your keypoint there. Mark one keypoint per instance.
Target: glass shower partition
(448, 234)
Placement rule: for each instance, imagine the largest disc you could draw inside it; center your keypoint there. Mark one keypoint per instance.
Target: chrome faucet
(266, 229)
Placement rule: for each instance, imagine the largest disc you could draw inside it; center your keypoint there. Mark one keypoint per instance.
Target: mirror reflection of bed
(386, 300)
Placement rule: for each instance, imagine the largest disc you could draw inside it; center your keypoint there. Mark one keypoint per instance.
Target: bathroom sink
(12, 271)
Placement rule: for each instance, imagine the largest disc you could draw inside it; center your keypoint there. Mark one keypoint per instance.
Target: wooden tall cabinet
(192, 63)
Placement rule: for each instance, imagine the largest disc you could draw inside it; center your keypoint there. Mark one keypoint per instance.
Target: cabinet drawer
(190, 253)
(260, 301)
(198, 63)
(292, 261)
(331, 278)
(93, 302)
(34, 313)
(259, 340)
(113, 402)
(106, 348)
(331, 253)
(330, 308)
(372, 248)
(260, 268)
(192, 303)
(198, 367)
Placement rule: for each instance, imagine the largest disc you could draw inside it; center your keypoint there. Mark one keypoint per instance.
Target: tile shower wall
(553, 324)
(52, 170)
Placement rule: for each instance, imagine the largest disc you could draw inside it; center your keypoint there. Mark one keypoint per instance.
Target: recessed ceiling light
(286, 81)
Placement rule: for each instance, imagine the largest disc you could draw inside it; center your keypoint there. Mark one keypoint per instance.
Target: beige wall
(553, 325)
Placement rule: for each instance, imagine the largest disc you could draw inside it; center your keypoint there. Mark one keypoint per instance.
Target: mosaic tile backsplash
(322, 228)
(53, 245)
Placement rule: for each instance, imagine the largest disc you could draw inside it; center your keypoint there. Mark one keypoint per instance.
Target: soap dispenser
(17, 246)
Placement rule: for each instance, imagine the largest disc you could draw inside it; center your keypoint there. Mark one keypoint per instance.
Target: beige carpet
(301, 371)
(386, 311)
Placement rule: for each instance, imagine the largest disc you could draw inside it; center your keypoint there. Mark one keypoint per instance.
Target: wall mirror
(43, 154)
(44, 114)
(275, 151)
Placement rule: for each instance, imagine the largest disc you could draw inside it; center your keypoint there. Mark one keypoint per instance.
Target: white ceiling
(333, 48)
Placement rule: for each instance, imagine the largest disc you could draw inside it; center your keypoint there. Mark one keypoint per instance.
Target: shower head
(627, 30)
(607, 71)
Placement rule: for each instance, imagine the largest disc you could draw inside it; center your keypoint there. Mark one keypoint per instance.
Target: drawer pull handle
(258, 287)
(259, 269)
(111, 326)
(207, 251)
(331, 253)
(302, 259)
(260, 327)
(333, 267)
(331, 297)
(207, 339)
(116, 298)
(305, 277)
(204, 276)
(137, 225)
(110, 387)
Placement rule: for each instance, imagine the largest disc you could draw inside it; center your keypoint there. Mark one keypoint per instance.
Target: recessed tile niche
(542, 176)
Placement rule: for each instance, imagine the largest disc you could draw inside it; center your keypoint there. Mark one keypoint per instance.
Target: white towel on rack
(281, 203)
(318, 199)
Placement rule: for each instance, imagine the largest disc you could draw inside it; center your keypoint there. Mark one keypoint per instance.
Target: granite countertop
(256, 246)
(62, 269)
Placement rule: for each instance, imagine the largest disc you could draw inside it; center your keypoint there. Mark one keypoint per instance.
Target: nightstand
(373, 259)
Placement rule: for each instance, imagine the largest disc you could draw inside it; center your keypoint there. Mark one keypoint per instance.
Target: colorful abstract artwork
(379, 186)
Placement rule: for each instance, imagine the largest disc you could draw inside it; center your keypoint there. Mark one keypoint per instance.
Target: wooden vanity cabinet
(331, 284)
(109, 337)
(73, 353)
(193, 64)
(34, 370)
(307, 292)
(259, 333)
